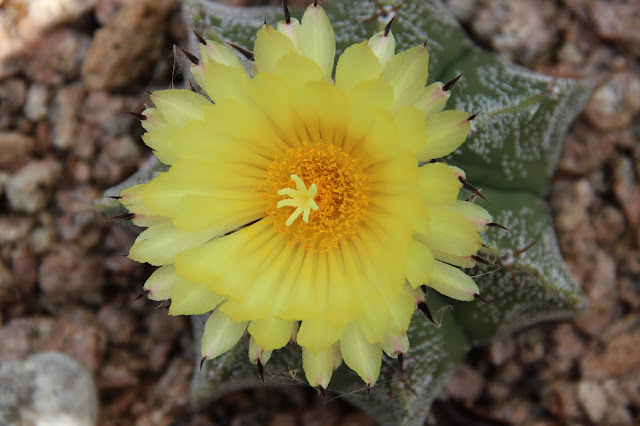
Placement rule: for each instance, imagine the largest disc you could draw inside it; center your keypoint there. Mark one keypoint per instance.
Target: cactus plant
(514, 145)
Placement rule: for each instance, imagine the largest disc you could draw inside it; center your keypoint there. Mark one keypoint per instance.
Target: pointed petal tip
(286, 12)
(260, 371)
(387, 28)
(466, 185)
(141, 295)
(497, 225)
(482, 260)
(244, 52)
(122, 216)
(199, 37)
(447, 87)
(482, 299)
(190, 56)
(140, 117)
(471, 117)
(424, 308)
(322, 392)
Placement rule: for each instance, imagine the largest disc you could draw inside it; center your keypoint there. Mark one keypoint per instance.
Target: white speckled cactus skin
(511, 153)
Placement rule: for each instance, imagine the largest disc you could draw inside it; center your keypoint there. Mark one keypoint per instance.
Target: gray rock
(593, 400)
(29, 189)
(47, 388)
(35, 107)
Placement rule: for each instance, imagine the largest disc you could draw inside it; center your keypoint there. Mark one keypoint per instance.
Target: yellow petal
(179, 106)
(476, 214)
(272, 95)
(271, 333)
(451, 233)
(307, 295)
(407, 72)
(144, 217)
(258, 248)
(419, 264)
(257, 353)
(269, 47)
(374, 320)
(445, 133)
(316, 335)
(433, 99)
(330, 108)
(343, 307)
(395, 344)
(160, 244)
(215, 53)
(357, 64)
(383, 46)
(221, 54)
(317, 40)
(318, 366)
(160, 283)
(453, 282)
(192, 298)
(220, 334)
(225, 82)
(362, 357)
(412, 128)
(363, 102)
(461, 261)
(292, 30)
(438, 184)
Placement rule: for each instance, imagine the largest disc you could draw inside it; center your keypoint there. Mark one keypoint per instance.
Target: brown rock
(117, 160)
(64, 115)
(23, 336)
(24, 267)
(126, 48)
(68, 273)
(502, 350)
(77, 334)
(14, 228)
(114, 375)
(12, 95)
(592, 399)
(29, 189)
(56, 59)
(7, 288)
(601, 291)
(15, 148)
(614, 103)
(531, 345)
(626, 189)
(567, 343)
(617, 21)
(522, 31)
(609, 225)
(37, 102)
(119, 323)
(175, 382)
(620, 357)
(164, 327)
(562, 401)
(465, 384)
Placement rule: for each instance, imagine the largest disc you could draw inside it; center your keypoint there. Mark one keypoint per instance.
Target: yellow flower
(296, 207)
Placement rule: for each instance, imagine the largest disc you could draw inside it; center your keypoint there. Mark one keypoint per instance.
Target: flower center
(331, 206)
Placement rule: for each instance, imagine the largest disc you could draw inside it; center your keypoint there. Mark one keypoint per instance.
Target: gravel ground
(67, 71)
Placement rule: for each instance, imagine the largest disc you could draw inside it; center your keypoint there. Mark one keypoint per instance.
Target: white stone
(47, 389)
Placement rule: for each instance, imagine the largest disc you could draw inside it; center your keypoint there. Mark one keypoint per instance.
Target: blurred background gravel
(69, 68)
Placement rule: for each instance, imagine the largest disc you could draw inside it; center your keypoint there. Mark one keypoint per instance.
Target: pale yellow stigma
(301, 198)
